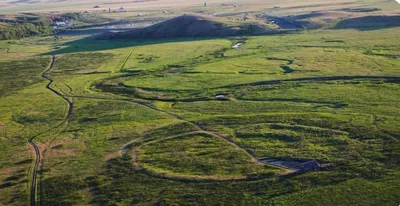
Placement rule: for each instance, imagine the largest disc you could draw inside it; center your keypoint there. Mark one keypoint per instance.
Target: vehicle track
(34, 184)
(271, 82)
(302, 196)
(126, 59)
(35, 172)
(197, 126)
(48, 86)
(124, 149)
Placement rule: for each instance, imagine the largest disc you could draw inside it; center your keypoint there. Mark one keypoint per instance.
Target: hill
(191, 26)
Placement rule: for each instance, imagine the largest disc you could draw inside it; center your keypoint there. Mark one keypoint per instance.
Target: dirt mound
(189, 26)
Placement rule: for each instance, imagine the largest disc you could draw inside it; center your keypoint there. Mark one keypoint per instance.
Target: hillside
(191, 26)
(16, 27)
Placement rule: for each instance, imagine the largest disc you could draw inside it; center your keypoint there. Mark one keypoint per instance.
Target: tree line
(31, 26)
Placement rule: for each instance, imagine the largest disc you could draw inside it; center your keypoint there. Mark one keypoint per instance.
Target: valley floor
(200, 122)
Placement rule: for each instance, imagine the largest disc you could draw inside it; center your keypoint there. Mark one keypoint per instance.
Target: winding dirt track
(34, 184)
(35, 171)
(198, 127)
(48, 86)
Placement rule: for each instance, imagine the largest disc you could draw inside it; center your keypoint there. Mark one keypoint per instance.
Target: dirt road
(34, 184)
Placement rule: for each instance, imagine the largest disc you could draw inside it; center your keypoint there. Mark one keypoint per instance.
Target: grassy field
(10, 6)
(149, 127)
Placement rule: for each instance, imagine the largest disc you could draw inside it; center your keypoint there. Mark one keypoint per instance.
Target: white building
(122, 9)
(220, 96)
(61, 23)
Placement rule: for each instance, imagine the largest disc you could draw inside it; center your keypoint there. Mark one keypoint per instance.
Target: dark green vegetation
(23, 73)
(29, 24)
(193, 121)
(25, 26)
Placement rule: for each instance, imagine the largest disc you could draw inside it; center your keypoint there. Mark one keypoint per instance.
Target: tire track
(197, 126)
(124, 149)
(38, 159)
(48, 86)
(126, 59)
(35, 172)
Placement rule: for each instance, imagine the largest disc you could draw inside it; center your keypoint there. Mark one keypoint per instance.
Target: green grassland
(146, 128)
(197, 155)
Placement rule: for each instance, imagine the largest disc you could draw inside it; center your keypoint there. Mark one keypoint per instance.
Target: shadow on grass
(367, 23)
(92, 31)
(386, 79)
(91, 44)
(7, 185)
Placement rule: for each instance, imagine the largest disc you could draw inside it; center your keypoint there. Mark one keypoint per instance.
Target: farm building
(122, 9)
